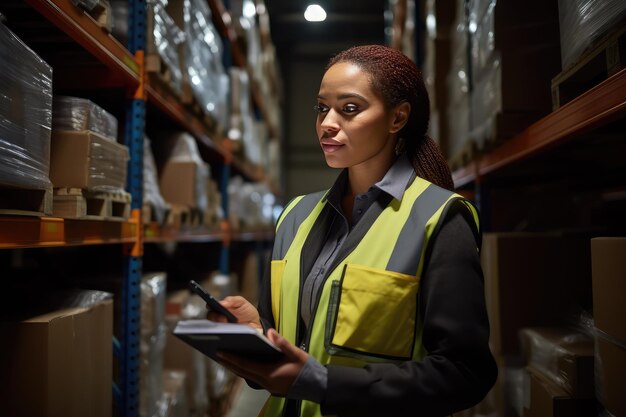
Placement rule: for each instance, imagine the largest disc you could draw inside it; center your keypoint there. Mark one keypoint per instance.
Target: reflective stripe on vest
(367, 309)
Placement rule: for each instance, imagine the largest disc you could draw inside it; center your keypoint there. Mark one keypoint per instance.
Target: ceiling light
(315, 13)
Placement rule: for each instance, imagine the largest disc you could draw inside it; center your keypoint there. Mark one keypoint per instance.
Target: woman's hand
(276, 377)
(245, 312)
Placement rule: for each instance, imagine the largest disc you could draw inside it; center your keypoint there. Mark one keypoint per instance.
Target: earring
(399, 146)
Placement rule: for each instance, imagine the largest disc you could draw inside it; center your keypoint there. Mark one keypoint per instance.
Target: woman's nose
(330, 121)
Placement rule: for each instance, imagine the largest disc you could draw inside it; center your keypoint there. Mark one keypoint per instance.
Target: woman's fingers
(292, 351)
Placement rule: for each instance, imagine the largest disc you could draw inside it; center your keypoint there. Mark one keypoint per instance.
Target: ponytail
(430, 164)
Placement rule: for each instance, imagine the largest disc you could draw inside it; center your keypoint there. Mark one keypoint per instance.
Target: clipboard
(209, 337)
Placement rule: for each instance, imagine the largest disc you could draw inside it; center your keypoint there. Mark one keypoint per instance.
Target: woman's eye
(350, 108)
(320, 108)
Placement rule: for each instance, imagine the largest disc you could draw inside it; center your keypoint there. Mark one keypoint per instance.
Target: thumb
(282, 343)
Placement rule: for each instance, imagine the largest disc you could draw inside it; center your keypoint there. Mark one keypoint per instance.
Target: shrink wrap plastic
(152, 342)
(583, 22)
(85, 4)
(167, 39)
(251, 203)
(25, 114)
(208, 79)
(564, 356)
(78, 114)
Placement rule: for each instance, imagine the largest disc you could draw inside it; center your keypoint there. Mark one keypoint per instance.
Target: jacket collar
(395, 182)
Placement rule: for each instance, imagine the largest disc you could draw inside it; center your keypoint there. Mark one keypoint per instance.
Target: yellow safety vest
(367, 308)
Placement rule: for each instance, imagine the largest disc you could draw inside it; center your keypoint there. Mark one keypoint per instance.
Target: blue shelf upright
(128, 392)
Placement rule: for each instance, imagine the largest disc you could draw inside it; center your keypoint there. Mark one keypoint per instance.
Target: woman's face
(353, 125)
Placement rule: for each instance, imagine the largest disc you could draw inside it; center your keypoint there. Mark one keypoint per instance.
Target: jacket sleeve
(459, 369)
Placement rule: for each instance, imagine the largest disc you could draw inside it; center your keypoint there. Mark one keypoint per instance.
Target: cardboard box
(184, 183)
(608, 261)
(86, 160)
(532, 279)
(611, 376)
(544, 399)
(563, 356)
(58, 364)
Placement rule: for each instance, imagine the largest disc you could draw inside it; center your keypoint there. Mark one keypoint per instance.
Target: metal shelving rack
(597, 107)
(124, 67)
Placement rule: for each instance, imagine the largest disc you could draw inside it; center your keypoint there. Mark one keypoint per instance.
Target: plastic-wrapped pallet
(85, 153)
(507, 94)
(251, 204)
(87, 160)
(79, 114)
(241, 117)
(164, 42)
(202, 57)
(244, 16)
(583, 22)
(457, 82)
(25, 114)
(153, 332)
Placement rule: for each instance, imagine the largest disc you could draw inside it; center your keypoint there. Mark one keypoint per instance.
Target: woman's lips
(331, 146)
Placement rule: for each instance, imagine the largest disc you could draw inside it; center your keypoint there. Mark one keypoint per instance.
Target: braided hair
(398, 80)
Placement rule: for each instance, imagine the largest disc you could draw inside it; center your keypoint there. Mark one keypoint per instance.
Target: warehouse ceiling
(348, 23)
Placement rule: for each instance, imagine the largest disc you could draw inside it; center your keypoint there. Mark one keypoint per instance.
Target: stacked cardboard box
(59, 363)
(183, 179)
(531, 279)
(609, 308)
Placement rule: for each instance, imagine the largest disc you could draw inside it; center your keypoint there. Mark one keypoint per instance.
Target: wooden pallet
(25, 202)
(607, 58)
(183, 216)
(77, 203)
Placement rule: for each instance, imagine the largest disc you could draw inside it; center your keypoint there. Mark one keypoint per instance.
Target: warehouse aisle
(248, 402)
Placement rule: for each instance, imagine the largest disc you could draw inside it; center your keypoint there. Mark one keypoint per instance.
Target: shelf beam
(597, 107)
(33, 232)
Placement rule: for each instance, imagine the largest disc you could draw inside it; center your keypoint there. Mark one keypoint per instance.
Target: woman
(376, 291)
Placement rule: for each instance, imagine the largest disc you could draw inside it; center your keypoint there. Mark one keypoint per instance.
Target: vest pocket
(276, 278)
(372, 312)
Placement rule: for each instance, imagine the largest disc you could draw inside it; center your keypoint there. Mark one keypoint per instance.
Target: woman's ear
(400, 117)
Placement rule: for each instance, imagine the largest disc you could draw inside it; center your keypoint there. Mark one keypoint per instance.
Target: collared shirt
(394, 183)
